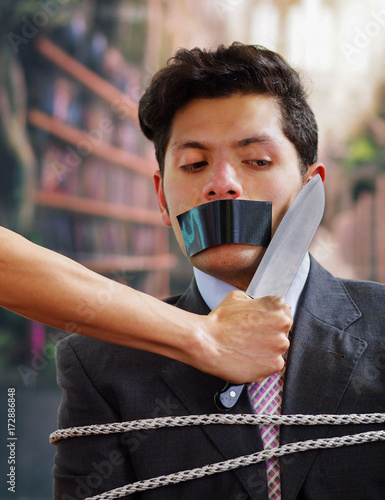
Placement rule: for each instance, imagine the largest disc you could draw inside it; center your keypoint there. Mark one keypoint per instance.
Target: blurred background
(76, 173)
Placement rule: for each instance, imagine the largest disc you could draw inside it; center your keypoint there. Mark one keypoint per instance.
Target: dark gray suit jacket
(336, 364)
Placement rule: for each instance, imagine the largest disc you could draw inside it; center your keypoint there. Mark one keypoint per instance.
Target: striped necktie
(266, 398)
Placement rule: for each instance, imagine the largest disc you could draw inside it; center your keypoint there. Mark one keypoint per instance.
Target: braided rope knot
(228, 419)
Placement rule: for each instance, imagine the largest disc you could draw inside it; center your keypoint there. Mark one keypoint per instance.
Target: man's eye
(259, 163)
(192, 167)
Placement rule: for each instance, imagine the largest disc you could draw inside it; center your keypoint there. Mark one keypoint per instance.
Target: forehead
(226, 119)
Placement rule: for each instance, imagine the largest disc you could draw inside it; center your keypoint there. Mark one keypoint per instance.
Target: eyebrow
(180, 146)
(257, 139)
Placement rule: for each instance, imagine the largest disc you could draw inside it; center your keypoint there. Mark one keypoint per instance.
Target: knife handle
(227, 398)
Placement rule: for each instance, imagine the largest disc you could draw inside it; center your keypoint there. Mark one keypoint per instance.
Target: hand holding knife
(282, 259)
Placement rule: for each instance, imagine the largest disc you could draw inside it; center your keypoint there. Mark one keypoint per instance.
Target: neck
(239, 278)
(234, 264)
(233, 279)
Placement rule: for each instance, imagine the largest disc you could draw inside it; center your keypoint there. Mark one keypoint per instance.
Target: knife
(282, 259)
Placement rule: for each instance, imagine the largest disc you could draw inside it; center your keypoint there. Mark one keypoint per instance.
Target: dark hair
(239, 68)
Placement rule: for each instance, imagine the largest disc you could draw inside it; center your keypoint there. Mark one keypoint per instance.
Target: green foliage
(361, 151)
(366, 148)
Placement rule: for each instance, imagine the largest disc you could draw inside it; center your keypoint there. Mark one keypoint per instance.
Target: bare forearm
(241, 340)
(52, 289)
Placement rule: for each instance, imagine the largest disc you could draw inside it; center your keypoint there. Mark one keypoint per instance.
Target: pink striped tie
(266, 398)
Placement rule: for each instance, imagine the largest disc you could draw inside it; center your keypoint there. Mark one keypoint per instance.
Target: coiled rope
(229, 419)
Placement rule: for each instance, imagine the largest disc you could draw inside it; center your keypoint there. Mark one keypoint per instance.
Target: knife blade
(282, 259)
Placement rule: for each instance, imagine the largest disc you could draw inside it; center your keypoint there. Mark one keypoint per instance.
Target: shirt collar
(214, 291)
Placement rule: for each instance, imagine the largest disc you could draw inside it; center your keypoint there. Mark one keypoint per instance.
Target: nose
(222, 183)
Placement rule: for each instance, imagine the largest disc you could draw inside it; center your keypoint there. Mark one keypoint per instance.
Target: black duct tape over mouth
(226, 221)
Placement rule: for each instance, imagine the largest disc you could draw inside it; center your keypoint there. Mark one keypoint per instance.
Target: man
(231, 124)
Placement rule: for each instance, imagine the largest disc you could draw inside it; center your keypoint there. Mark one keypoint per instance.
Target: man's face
(228, 148)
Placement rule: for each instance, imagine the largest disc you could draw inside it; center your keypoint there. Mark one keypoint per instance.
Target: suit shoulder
(90, 353)
(173, 300)
(76, 341)
(98, 356)
(366, 294)
(361, 287)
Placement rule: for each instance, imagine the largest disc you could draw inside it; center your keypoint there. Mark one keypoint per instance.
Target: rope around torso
(216, 418)
(228, 419)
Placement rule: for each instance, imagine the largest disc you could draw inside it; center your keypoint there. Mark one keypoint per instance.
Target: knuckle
(263, 303)
(280, 302)
(230, 296)
(283, 343)
(279, 305)
(276, 300)
(285, 320)
(288, 323)
(235, 294)
(277, 364)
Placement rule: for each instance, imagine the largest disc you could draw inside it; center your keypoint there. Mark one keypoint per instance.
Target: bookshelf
(97, 208)
(94, 194)
(87, 144)
(119, 100)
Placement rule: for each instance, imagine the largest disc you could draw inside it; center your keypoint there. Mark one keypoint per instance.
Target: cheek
(281, 197)
(180, 198)
(178, 234)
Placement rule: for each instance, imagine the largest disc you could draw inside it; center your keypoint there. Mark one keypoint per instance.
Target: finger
(238, 294)
(279, 304)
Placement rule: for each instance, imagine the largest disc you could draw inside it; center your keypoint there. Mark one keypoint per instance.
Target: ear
(314, 169)
(161, 197)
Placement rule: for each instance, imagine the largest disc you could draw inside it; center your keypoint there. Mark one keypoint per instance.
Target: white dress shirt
(214, 291)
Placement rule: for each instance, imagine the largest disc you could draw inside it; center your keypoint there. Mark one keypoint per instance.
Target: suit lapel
(195, 390)
(321, 359)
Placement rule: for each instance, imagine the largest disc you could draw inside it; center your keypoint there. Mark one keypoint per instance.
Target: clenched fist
(246, 338)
